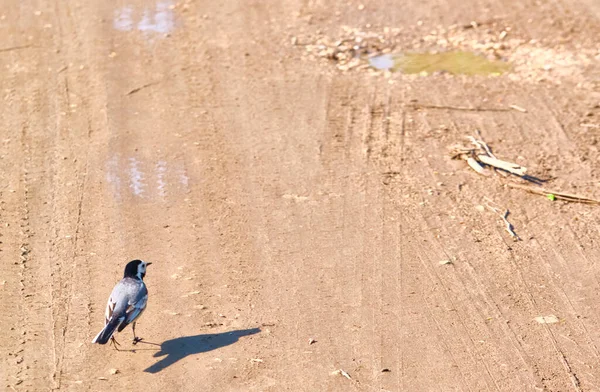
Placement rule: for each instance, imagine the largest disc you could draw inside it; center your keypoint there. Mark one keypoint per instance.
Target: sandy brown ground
(282, 200)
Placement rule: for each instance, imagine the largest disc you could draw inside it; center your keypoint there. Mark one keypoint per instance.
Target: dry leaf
(475, 165)
(508, 166)
(341, 372)
(190, 293)
(551, 319)
(518, 108)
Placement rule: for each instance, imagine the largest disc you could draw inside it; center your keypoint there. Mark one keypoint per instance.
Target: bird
(126, 303)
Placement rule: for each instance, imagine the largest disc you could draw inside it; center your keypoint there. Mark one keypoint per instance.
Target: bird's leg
(136, 339)
(115, 343)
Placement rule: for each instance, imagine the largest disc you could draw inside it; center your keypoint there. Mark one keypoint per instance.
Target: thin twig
(483, 144)
(508, 166)
(345, 374)
(463, 108)
(137, 89)
(508, 226)
(518, 108)
(475, 165)
(11, 48)
(477, 143)
(556, 194)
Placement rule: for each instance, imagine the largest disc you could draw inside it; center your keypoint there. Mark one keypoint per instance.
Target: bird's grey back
(127, 292)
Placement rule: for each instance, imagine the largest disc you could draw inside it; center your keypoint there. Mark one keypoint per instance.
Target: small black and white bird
(126, 303)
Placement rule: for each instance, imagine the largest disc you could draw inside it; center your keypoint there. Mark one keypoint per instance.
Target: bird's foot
(136, 340)
(115, 343)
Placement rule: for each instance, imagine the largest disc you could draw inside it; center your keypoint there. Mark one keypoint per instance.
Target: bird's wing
(110, 308)
(117, 302)
(135, 308)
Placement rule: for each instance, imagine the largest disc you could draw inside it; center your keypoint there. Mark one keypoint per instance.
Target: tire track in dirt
(563, 142)
(159, 227)
(334, 289)
(305, 209)
(33, 117)
(30, 273)
(575, 334)
(569, 358)
(473, 282)
(225, 252)
(447, 340)
(361, 289)
(70, 279)
(390, 306)
(14, 245)
(561, 356)
(453, 343)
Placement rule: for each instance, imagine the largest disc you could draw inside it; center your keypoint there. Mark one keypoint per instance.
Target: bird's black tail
(107, 332)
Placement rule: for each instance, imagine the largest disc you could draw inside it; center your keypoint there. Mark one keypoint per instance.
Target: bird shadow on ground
(179, 348)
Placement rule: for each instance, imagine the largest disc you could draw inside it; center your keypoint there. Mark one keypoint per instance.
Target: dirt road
(296, 214)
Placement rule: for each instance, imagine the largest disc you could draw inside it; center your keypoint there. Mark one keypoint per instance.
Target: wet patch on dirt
(495, 43)
(157, 19)
(137, 178)
(456, 63)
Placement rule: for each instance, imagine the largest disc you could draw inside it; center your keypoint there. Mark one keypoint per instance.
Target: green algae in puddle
(463, 63)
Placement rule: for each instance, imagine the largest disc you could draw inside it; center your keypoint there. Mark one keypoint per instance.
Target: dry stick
(150, 84)
(508, 166)
(479, 144)
(343, 373)
(464, 108)
(135, 90)
(483, 144)
(508, 226)
(475, 165)
(559, 195)
(11, 48)
(475, 162)
(518, 108)
(490, 159)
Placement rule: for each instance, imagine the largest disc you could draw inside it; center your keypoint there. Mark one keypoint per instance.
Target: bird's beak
(147, 264)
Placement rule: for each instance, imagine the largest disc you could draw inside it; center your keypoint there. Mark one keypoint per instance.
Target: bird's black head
(136, 269)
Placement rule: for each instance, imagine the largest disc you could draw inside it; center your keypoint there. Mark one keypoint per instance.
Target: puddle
(123, 20)
(143, 179)
(385, 61)
(456, 63)
(184, 179)
(161, 171)
(136, 183)
(160, 19)
(112, 168)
